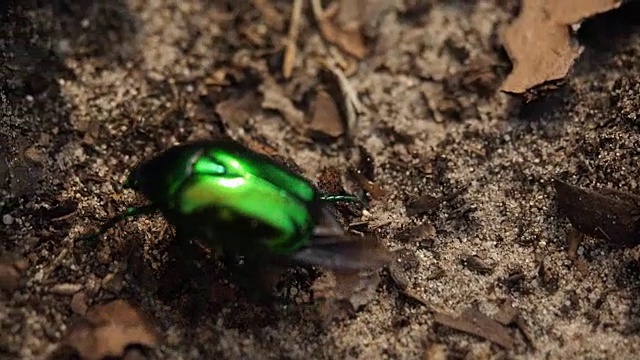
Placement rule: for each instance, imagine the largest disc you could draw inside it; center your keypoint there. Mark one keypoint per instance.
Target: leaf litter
(325, 118)
(347, 35)
(108, 330)
(472, 321)
(540, 44)
(340, 294)
(608, 214)
(365, 286)
(428, 203)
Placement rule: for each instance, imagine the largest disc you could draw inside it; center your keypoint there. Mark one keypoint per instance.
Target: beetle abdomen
(248, 198)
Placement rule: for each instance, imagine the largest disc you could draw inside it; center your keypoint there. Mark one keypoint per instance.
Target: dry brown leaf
(341, 294)
(275, 99)
(539, 41)
(326, 119)
(331, 304)
(418, 233)
(474, 322)
(572, 12)
(108, 329)
(272, 16)
(236, 112)
(347, 36)
(427, 203)
(607, 214)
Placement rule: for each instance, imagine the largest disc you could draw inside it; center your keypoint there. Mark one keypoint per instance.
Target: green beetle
(246, 206)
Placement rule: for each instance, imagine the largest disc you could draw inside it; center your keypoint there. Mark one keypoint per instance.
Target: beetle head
(160, 177)
(133, 180)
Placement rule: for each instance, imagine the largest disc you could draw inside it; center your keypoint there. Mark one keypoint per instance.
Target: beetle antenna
(130, 212)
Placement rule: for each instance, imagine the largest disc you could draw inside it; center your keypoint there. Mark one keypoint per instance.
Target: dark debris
(607, 214)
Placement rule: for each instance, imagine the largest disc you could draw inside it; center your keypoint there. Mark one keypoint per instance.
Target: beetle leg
(340, 198)
(130, 212)
(181, 269)
(326, 224)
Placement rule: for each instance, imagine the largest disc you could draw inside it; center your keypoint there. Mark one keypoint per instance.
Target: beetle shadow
(200, 287)
(607, 35)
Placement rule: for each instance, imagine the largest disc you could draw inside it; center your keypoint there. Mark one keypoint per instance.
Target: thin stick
(346, 86)
(294, 30)
(318, 12)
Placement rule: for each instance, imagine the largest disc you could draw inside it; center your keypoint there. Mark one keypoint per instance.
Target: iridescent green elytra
(242, 203)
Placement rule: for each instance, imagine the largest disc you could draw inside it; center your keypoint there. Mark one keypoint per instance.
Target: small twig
(294, 31)
(346, 86)
(272, 17)
(318, 12)
(57, 260)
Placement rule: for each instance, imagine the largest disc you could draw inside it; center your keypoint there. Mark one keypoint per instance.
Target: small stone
(66, 289)
(104, 256)
(92, 285)
(172, 336)
(21, 265)
(79, 303)
(7, 219)
(34, 155)
(113, 282)
(9, 277)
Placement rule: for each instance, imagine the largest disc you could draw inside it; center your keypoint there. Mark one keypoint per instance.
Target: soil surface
(90, 88)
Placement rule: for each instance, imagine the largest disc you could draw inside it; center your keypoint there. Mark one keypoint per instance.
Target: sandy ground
(89, 88)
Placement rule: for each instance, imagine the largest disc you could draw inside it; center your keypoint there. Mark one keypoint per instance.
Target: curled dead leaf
(348, 36)
(326, 119)
(341, 294)
(236, 112)
(272, 17)
(472, 321)
(275, 99)
(608, 214)
(427, 203)
(107, 330)
(540, 44)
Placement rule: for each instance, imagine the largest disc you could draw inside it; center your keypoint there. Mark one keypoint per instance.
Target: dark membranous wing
(344, 253)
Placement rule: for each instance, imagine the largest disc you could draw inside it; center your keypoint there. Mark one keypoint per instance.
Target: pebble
(113, 282)
(65, 289)
(79, 303)
(7, 219)
(9, 277)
